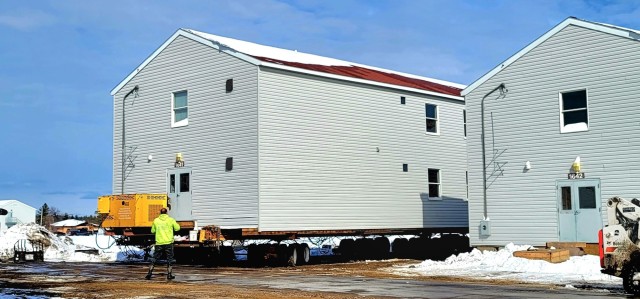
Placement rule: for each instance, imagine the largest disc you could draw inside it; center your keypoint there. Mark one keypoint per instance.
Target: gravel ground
(90, 280)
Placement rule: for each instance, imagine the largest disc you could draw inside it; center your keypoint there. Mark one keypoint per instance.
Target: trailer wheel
(382, 248)
(631, 278)
(227, 255)
(250, 254)
(283, 254)
(304, 253)
(293, 255)
(400, 248)
(346, 249)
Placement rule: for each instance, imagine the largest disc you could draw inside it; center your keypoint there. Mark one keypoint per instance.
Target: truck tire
(382, 248)
(227, 255)
(400, 248)
(283, 255)
(628, 272)
(304, 253)
(251, 254)
(293, 255)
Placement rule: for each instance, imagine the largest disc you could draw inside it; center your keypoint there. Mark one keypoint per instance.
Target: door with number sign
(579, 217)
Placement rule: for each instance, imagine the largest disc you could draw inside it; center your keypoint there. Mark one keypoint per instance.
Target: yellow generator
(130, 210)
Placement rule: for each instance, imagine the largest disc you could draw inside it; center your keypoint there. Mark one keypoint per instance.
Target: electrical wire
(99, 227)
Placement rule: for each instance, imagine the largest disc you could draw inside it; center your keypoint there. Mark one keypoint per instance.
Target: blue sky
(60, 59)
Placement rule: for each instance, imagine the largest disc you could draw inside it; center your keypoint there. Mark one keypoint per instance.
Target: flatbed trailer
(130, 216)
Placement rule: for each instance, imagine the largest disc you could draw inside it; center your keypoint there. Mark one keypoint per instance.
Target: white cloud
(26, 20)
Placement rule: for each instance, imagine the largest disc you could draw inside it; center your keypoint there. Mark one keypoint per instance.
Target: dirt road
(350, 280)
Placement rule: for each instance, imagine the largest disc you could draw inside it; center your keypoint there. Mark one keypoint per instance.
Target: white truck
(619, 240)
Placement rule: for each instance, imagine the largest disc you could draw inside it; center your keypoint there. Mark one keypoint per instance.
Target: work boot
(148, 276)
(170, 276)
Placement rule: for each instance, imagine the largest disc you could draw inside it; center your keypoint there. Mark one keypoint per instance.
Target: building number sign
(576, 175)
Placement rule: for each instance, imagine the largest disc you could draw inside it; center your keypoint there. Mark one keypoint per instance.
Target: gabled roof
(606, 28)
(267, 56)
(10, 201)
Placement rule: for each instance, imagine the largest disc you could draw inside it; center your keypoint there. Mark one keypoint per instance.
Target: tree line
(47, 215)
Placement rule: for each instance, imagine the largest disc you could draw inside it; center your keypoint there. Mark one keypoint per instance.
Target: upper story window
(179, 109)
(574, 116)
(464, 121)
(431, 114)
(434, 183)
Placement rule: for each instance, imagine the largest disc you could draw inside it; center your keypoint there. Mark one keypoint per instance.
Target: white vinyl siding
(309, 152)
(331, 156)
(221, 124)
(526, 125)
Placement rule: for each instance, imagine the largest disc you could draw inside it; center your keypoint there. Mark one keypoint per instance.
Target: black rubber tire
(283, 254)
(346, 249)
(252, 251)
(227, 256)
(293, 255)
(631, 286)
(383, 248)
(304, 254)
(364, 249)
(400, 248)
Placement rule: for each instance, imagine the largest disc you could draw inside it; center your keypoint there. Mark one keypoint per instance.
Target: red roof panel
(370, 74)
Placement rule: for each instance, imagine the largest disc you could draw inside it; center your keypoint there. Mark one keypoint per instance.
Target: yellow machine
(131, 210)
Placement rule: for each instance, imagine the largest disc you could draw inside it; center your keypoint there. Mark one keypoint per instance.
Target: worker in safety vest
(163, 227)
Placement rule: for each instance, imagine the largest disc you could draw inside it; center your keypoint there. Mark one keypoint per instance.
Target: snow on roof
(10, 201)
(290, 60)
(332, 66)
(602, 27)
(69, 222)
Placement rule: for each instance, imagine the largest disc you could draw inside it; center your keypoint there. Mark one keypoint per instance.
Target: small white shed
(18, 213)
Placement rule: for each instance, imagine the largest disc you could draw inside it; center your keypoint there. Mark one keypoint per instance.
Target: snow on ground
(63, 248)
(496, 265)
(490, 265)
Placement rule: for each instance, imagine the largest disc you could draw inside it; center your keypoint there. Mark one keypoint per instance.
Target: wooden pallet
(549, 255)
(576, 248)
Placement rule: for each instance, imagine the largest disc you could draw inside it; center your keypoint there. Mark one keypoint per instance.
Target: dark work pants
(159, 252)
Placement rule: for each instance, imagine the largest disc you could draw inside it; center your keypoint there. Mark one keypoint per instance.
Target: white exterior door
(179, 192)
(579, 217)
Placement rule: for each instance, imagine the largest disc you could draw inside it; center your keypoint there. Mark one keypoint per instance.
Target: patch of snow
(503, 265)
(63, 248)
(577, 127)
(253, 49)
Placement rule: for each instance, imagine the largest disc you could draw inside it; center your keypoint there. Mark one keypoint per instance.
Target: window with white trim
(179, 109)
(434, 183)
(431, 115)
(574, 115)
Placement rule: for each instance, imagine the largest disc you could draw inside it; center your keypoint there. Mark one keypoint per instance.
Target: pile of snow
(492, 265)
(64, 249)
